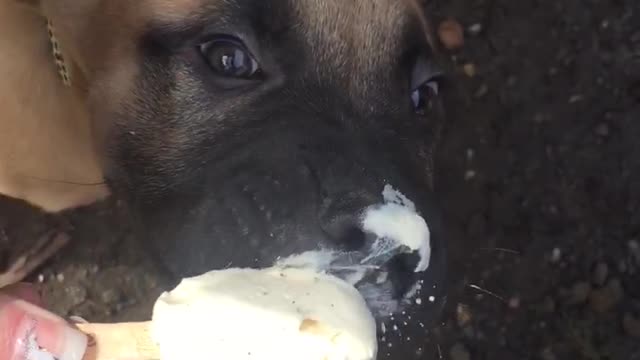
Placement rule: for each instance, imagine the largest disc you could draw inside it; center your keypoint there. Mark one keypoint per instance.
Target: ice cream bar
(234, 314)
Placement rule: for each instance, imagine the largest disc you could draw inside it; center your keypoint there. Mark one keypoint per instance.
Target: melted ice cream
(397, 225)
(274, 313)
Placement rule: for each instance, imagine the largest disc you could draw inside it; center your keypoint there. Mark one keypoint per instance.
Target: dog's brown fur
(46, 152)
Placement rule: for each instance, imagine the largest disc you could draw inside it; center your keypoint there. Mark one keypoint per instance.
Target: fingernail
(74, 345)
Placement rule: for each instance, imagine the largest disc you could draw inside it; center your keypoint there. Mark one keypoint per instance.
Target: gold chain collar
(58, 56)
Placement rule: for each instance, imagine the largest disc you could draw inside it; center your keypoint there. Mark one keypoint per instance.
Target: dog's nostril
(401, 273)
(352, 238)
(344, 231)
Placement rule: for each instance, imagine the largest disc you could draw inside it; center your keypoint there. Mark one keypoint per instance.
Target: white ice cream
(397, 224)
(269, 314)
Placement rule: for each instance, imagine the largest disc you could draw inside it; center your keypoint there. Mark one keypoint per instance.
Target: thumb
(28, 332)
(24, 291)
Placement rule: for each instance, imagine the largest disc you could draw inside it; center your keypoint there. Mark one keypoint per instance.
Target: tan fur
(45, 144)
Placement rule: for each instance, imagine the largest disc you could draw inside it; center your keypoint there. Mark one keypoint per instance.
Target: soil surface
(538, 173)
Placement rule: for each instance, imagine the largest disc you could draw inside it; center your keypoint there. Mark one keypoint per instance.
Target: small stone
(469, 175)
(451, 34)
(110, 296)
(60, 277)
(556, 255)
(469, 69)
(475, 29)
(600, 273)
(76, 294)
(514, 303)
(470, 154)
(459, 352)
(575, 98)
(463, 315)
(547, 354)
(631, 325)
(578, 294)
(482, 91)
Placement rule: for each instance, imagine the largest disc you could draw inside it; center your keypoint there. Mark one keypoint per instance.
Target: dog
(238, 132)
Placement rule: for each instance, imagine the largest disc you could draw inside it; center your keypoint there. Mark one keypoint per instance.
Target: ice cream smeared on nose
(396, 228)
(396, 224)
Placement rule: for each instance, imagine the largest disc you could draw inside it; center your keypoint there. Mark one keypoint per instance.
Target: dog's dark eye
(230, 58)
(425, 86)
(423, 96)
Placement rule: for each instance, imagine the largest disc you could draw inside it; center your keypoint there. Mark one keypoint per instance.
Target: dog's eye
(422, 97)
(230, 58)
(425, 86)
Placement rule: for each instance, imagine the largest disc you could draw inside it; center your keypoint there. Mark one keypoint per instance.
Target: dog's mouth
(328, 214)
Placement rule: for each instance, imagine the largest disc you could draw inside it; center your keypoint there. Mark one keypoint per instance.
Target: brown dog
(238, 131)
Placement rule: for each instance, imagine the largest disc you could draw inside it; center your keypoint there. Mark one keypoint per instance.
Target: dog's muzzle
(343, 210)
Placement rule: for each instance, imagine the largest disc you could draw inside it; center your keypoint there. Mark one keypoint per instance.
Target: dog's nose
(383, 247)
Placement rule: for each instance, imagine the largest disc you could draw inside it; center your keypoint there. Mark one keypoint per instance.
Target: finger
(25, 291)
(24, 323)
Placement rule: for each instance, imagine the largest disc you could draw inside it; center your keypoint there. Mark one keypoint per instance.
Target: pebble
(578, 294)
(514, 303)
(76, 294)
(469, 69)
(575, 98)
(451, 34)
(600, 273)
(547, 354)
(463, 315)
(110, 296)
(482, 91)
(556, 255)
(459, 352)
(470, 154)
(631, 325)
(469, 175)
(475, 29)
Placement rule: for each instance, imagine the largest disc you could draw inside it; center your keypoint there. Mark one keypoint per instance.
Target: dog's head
(242, 131)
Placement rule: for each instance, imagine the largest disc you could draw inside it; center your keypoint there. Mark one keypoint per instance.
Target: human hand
(29, 332)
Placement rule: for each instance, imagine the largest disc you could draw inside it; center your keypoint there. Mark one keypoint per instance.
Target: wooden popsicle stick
(122, 341)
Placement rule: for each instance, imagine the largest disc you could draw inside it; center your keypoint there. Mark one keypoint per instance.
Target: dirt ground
(539, 175)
